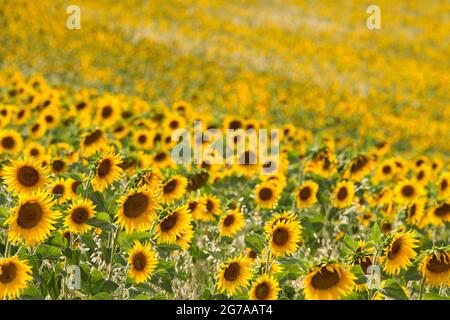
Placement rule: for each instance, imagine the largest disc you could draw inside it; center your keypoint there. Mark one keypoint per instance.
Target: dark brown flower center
(387, 169)
(28, 176)
(142, 139)
(81, 105)
(29, 215)
(58, 189)
(342, 194)
(262, 291)
(135, 205)
(395, 249)
(442, 210)
(305, 193)
(139, 261)
(228, 221)
(169, 222)
(209, 205)
(8, 273)
(104, 168)
(35, 127)
(80, 215)
(192, 205)
(235, 124)
(365, 263)
(92, 137)
(358, 164)
(49, 119)
(265, 194)
(436, 266)
(232, 272)
(74, 186)
(170, 186)
(107, 112)
(34, 152)
(8, 142)
(173, 124)
(280, 236)
(407, 191)
(444, 184)
(58, 165)
(252, 254)
(420, 175)
(160, 157)
(325, 279)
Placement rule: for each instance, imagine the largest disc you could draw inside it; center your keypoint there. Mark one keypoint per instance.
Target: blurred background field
(313, 63)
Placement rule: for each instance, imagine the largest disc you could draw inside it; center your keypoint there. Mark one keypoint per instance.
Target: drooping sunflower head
(107, 171)
(93, 141)
(231, 223)
(80, 211)
(137, 210)
(173, 189)
(328, 281)
(305, 195)
(343, 194)
(284, 238)
(234, 275)
(399, 251)
(264, 288)
(435, 266)
(173, 225)
(32, 220)
(25, 176)
(143, 260)
(266, 194)
(14, 275)
(362, 256)
(10, 142)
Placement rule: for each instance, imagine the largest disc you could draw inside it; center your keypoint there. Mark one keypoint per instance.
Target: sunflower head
(14, 275)
(435, 266)
(399, 251)
(234, 275)
(267, 194)
(173, 225)
(264, 288)
(25, 176)
(231, 223)
(10, 142)
(173, 189)
(305, 195)
(80, 211)
(143, 261)
(343, 194)
(107, 171)
(285, 237)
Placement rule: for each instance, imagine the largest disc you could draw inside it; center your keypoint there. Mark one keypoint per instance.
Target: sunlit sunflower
(107, 171)
(305, 195)
(399, 251)
(385, 171)
(212, 207)
(14, 275)
(10, 142)
(415, 212)
(185, 238)
(120, 130)
(266, 194)
(137, 210)
(93, 141)
(51, 117)
(108, 111)
(439, 214)
(72, 186)
(173, 188)
(264, 288)
(234, 275)
(151, 179)
(443, 185)
(435, 266)
(183, 108)
(143, 260)
(37, 129)
(328, 281)
(197, 207)
(79, 212)
(231, 223)
(343, 194)
(406, 191)
(142, 139)
(360, 166)
(24, 176)
(162, 159)
(32, 220)
(284, 238)
(173, 225)
(251, 255)
(60, 190)
(285, 216)
(34, 150)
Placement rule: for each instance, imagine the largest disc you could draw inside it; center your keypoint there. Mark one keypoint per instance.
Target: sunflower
(108, 111)
(265, 288)
(142, 139)
(306, 194)
(197, 207)
(234, 275)
(231, 223)
(173, 225)
(51, 117)
(162, 159)
(72, 186)
(328, 281)
(284, 238)
(173, 189)
(183, 108)
(251, 255)
(24, 176)
(439, 214)
(10, 142)
(34, 150)
(406, 191)
(415, 212)
(80, 211)
(360, 166)
(32, 220)
(59, 190)
(435, 267)
(399, 252)
(37, 129)
(343, 194)
(266, 194)
(143, 261)
(120, 131)
(385, 171)
(14, 275)
(107, 171)
(185, 238)
(93, 141)
(285, 216)
(151, 179)
(137, 210)
(212, 207)
(444, 185)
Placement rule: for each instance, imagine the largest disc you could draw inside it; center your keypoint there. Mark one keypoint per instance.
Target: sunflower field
(355, 205)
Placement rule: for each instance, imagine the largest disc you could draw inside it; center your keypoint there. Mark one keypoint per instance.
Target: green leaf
(102, 220)
(254, 241)
(350, 242)
(393, 290)
(48, 252)
(434, 296)
(32, 293)
(101, 296)
(375, 234)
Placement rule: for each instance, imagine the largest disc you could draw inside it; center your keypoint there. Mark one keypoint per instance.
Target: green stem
(7, 247)
(113, 249)
(422, 288)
